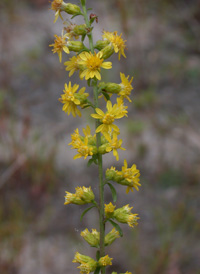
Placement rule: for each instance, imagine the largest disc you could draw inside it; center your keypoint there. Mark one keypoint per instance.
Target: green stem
(98, 141)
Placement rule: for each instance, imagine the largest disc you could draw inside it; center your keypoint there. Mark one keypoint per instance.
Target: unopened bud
(107, 51)
(75, 46)
(110, 87)
(100, 44)
(71, 8)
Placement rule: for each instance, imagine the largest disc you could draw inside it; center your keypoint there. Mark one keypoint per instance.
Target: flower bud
(79, 258)
(100, 44)
(80, 29)
(102, 149)
(71, 8)
(104, 261)
(111, 174)
(111, 236)
(107, 51)
(85, 194)
(91, 238)
(75, 46)
(109, 210)
(110, 87)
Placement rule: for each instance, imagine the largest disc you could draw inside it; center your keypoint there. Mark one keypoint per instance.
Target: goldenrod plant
(88, 62)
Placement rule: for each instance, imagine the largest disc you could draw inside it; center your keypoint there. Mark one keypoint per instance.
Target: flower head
(86, 146)
(104, 261)
(92, 64)
(60, 45)
(71, 99)
(57, 6)
(111, 236)
(92, 238)
(126, 87)
(107, 119)
(72, 65)
(114, 144)
(83, 195)
(87, 264)
(109, 210)
(117, 42)
(130, 176)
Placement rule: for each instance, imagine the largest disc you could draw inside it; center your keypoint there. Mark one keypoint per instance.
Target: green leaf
(97, 270)
(113, 191)
(86, 210)
(106, 95)
(118, 228)
(76, 15)
(90, 162)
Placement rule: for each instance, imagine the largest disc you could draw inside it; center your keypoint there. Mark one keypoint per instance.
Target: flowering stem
(98, 142)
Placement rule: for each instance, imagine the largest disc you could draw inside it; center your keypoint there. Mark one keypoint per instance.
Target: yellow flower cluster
(83, 195)
(88, 63)
(87, 264)
(127, 176)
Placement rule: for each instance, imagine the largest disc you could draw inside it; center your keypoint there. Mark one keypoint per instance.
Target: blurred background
(38, 234)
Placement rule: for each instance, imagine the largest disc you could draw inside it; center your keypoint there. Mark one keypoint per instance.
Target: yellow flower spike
(126, 87)
(104, 261)
(92, 64)
(109, 210)
(117, 42)
(116, 111)
(60, 45)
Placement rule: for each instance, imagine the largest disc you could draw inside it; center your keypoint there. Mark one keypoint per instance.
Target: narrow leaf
(106, 95)
(90, 162)
(118, 228)
(86, 210)
(113, 191)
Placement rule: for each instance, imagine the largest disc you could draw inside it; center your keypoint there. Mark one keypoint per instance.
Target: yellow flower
(116, 111)
(130, 177)
(60, 45)
(72, 65)
(117, 42)
(132, 220)
(87, 264)
(92, 64)
(71, 99)
(57, 6)
(126, 87)
(83, 195)
(114, 144)
(104, 261)
(84, 150)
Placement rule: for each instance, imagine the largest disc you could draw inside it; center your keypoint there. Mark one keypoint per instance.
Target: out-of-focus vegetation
(162, 135)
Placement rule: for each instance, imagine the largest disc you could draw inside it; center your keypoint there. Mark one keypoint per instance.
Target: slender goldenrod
(88, 62)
